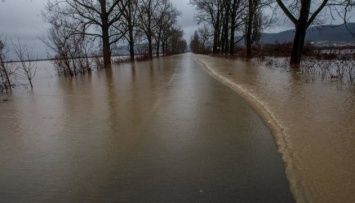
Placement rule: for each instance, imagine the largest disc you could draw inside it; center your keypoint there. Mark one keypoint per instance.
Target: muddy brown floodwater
(156, 131)
(313, 123)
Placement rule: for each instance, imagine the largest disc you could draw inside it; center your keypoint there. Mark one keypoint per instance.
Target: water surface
(316, 119)
(156, 131)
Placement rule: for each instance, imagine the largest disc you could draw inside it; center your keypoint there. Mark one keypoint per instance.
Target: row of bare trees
(229, 19)
(77, 26)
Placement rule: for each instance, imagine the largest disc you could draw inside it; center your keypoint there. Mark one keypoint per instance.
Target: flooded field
(156, 131)
(312, 120)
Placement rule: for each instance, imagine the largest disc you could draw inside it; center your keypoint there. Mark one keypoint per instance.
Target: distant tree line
(227, 22)
(76, 27)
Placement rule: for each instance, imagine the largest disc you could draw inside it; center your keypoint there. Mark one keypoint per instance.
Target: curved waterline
(270, 120)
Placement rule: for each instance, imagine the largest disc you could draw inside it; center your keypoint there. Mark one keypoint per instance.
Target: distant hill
(329, 33)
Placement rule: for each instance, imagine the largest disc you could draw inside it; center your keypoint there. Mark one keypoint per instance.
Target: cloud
(186, 19)
(21, 16)
(21, 20)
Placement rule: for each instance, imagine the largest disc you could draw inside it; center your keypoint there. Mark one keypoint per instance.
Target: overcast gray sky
(186, 19)
(21, 19)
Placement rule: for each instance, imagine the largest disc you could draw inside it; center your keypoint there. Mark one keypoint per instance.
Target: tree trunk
(216, 34)
(106, 50)
(298, 45)
(215, 41)
(223, 39)
(7, 78)
(226, 29)
(300, 35)
(30, 80)
(130, 20)
(150, 46)
(131, 43)
(158, 49)
(248, 37)
(150, 33)
(158, 43)
(233, 15)
(163, 47)
(231, 43)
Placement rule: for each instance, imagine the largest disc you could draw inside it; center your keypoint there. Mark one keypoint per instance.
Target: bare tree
(250, 29)
(205, 35)
(303, 13)
(87, 16)
(256, 21)
(225, 25)
(28, 62)
(238, 18)
(225, 17)
(165, 17)
(71, 50)
(146, 23)
(147, 20)
(211, 12)
(200, 40)
(129, 10)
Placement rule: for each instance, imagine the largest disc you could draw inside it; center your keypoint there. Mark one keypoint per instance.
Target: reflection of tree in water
(339, 71)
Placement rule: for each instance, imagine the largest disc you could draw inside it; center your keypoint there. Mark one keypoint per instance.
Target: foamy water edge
(271, 121)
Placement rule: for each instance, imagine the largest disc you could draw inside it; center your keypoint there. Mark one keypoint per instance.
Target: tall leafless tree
(211, 12)
(205, 35)
(238, 18)
(226, 18)
(129, 10)
(71, 50)
(165, 18)
(27, 62)
(148, 21)
(250, 29)
(303, 13)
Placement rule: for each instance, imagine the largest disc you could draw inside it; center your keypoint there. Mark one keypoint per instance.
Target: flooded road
(313, 124)
(156, 131)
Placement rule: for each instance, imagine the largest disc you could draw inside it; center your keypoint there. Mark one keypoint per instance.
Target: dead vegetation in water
(309, 50)
(331, 65)
(340, 70)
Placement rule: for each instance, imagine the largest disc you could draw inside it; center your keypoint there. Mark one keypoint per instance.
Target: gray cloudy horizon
(21, 19)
